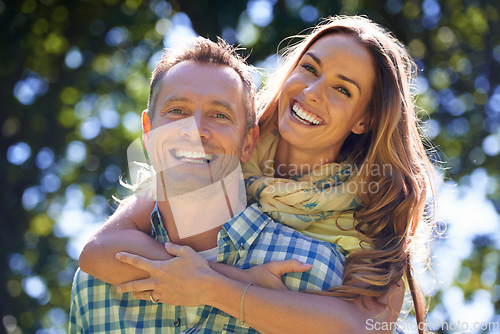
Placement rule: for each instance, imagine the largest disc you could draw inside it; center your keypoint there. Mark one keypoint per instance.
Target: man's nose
(194, 128)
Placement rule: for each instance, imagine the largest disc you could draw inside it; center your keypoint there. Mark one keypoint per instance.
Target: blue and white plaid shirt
(251, 238)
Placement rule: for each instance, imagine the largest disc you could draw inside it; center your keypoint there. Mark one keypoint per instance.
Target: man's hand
(182, 280)
(179, 281)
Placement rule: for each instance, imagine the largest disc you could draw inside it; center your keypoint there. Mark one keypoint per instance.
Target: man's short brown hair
(204, 51)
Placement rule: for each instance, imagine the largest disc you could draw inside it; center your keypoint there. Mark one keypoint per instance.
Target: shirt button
(177, 322)
(242, 247)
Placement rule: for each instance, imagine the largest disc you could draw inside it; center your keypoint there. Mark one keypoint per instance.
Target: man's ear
(363, 125)
(146, 129)
(249, 143)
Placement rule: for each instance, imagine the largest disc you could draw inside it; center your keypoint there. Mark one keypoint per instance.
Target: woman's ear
(146, 129)
(363, 125)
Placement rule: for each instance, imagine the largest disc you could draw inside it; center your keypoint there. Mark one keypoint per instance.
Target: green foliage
(75, 77)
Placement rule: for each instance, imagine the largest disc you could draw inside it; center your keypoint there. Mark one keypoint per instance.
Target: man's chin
(189, 177)
(176, 185)
(223, 166)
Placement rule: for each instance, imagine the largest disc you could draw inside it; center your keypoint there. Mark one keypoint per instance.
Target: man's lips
(192, 156)
(305, 116)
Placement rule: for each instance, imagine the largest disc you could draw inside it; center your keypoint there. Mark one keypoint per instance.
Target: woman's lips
(304, 116)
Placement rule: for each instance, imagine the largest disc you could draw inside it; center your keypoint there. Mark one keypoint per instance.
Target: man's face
(198, 127)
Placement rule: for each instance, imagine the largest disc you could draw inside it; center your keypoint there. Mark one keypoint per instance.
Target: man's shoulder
(253, 225)
(81, 278)
(253, 211)
(274, 241)
(251, 219)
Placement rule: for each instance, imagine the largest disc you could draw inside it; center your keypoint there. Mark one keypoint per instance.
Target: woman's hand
(268, 275)
(179, 281)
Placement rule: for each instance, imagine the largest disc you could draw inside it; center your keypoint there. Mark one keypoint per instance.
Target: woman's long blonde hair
(389, 217)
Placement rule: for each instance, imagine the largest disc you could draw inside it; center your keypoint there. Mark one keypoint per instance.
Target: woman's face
(325, 97)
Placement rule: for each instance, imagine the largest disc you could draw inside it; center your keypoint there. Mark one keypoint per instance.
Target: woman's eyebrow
(343, 77)
(316, 59)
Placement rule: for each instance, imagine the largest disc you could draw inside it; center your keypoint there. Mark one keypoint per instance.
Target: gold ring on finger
(151, 297)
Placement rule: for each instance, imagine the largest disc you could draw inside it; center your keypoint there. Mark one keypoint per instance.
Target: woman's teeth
(193, 157)
(302, 117)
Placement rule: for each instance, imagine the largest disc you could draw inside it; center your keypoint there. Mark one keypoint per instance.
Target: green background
(74, 78)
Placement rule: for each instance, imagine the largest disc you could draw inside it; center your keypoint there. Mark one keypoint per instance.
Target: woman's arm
(283, 311)
(128, 229)
(188, 280)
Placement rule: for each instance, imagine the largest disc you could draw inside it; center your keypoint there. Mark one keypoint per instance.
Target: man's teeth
(302, 116)
(193, 157)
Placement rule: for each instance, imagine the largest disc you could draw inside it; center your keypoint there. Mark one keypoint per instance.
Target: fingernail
(118, 255)
(307, 264)
(168, 244)
(119, 289)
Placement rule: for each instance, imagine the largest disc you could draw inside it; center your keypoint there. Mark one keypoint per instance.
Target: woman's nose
(313, 91)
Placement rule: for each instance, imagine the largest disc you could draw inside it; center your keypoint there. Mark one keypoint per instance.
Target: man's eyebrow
(340, 76)
(223, 104)
(183, 99)
(175, 99)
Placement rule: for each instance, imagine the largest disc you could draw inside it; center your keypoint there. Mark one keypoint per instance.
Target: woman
(349, 167)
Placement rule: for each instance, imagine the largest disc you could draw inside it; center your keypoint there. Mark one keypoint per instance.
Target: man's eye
(175, 111)
(220, 115)
(309, 68)
(344, 91)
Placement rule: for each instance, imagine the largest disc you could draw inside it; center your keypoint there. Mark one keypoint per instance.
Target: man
(203, 95)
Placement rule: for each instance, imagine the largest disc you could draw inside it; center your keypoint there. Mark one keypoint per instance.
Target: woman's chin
(293, 131)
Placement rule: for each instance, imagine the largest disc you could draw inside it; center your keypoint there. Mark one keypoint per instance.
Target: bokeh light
(79, 79)
(27, 90)
(260, 11)
(74, 58)
(18, 153)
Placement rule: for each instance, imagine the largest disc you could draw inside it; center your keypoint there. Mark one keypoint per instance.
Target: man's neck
(194, 219)
(200, 241)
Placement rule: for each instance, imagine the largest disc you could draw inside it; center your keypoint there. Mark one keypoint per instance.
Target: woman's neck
(291, 161)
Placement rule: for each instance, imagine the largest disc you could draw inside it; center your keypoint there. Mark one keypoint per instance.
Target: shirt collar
(242, 229)
(245, 227)
(157, 228)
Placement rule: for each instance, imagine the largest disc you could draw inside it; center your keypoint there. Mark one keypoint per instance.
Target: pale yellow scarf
(314, 203)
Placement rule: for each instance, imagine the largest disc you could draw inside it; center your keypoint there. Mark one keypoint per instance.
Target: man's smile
(192, 156)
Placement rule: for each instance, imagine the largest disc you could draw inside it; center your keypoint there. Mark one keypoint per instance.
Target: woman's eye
(309, 68)
(344, 91)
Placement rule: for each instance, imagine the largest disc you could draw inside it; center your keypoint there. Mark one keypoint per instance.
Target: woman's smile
(305, 116)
